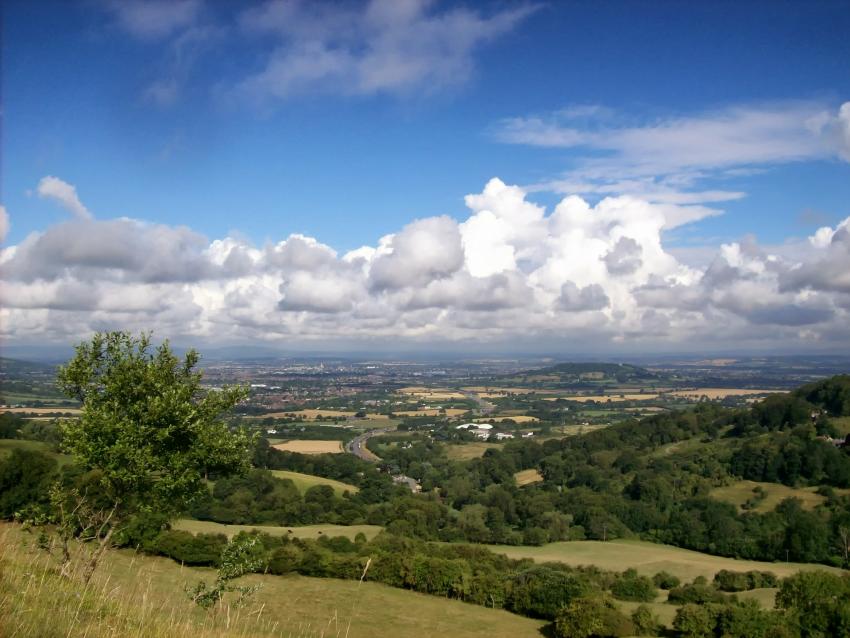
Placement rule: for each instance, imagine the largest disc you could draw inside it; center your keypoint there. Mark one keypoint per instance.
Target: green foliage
(666, 580)
(587, 617)
(147, 424)
(190, 549)
(25, 476)
(630, 586)
(818, 601)
(645, 622)
(243, 555)
(727, 580)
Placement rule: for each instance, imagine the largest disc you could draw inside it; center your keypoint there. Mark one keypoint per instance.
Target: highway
(357, 447)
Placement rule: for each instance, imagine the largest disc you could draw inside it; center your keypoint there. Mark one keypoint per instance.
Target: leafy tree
(148, 430)
(645, 622)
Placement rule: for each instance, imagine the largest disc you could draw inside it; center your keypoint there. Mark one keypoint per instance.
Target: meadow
(467, 451)
(647, 558)
(740, 492)
(527, 477)
(135, 596)
(305, 481)
(311, 447)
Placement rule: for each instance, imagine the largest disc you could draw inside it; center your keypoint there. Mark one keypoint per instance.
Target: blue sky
(345, 122)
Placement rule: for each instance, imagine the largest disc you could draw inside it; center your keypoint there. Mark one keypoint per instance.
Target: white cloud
(4, 223)
(152, 19)
(64, 194)
(512, 272)
(384, 46)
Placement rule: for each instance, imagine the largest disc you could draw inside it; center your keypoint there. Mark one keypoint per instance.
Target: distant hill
(16, 367)
(588, 373)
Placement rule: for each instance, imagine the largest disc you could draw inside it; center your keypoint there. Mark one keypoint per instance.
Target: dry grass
(739, 492)
(647, 558)
(311, 447)
(467, 451)
(302, 531)
(527, 477)
(719, 393)
(133, 596)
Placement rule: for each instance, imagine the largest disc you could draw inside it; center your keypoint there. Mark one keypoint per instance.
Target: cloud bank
(511, 272)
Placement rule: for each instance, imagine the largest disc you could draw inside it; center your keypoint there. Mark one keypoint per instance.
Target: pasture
(719, 393)
(42, 411)
(311, 447)
(647, 558)
(739, 492)
(305, 481)
(517, 418)
(302, 531)
(136, 595)
(432, 412)
(467, 451)
(606, 398)
(527, 477)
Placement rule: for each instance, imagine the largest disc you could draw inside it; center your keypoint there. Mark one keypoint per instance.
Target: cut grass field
(647, 558)
(527, 477)
(136, 596)
(302, 531)
(311, 447)
(56, 410)
(740, 492)
(305, 481)
(467, 451)
(720, 393)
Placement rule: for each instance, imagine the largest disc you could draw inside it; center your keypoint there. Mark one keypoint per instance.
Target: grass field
(303, 531)
(647, 558)
(719, 393)
(136, 596)
(527, 477)
(606, 398)
(311, 447)
(738, 493)
(305, 481)
(467, 451)
(6, 446)
(842, 424)
(516, 418)
(433, 412)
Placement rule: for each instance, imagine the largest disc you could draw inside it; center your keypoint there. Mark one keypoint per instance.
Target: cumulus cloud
(64, 194)
(512, 271)
(379, 46)
(4, 223)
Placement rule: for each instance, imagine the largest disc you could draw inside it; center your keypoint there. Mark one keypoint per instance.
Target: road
(357, 446)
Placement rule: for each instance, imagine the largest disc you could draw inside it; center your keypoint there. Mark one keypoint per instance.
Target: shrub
(666, 580)
(644, 621)
(203, 549)
(635, 588)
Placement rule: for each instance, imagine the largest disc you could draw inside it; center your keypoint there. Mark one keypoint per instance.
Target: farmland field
(311, 447)
(719, 393)
(305, 481)
(738, 493)
(136, 595)
(647, 558)
(605, 398)
(302, 531)
(518, 418)
(467, 451)
(527, 477)
(56, 410)
(432, 412)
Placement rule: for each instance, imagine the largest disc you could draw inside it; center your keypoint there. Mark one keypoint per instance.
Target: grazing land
(501, 418)
(311, 447)
(740, 492)
(59, 409)
(140, 596)
(467, 451)
(305, 481)
(527, 477)
(647, 558)
(720, 393)
(295, 531)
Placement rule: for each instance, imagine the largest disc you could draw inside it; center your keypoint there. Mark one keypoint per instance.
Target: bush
(586, 617)
(634, 588)
(644, 621)
(666, 580)
(726, 580)
(203, 549)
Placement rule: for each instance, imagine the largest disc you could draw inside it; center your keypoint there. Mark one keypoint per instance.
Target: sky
(556, 177)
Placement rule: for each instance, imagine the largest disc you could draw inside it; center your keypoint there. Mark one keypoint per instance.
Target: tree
(148, 433)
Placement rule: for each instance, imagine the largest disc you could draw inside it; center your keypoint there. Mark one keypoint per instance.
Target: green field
(6, 446)
(467, 451)
(305, 481)
(133, 595)
(647, 558)
(738, 493)
(842, 424)
(303, 531)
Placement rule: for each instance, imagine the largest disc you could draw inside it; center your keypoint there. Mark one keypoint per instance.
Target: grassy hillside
(6, 446)
(304, 531)
(305, 481)
(740, 492)
(137, 596)
(647, 558)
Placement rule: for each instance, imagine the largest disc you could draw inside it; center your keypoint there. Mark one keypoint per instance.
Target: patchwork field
(647, 558)
(303, 531)
(311, 447)
(135, 595)
(518, 418)
(740, 492)
(432, 412)
(719, 393)
(305, 481)
(432, 394)
(314, 415)
(527, 477)
(606, 398)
